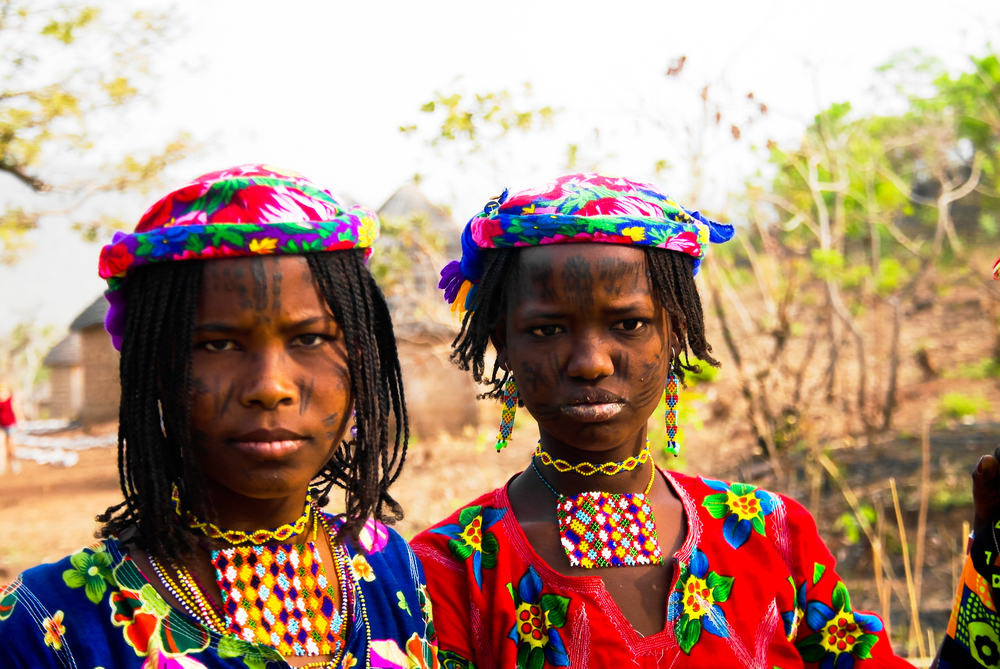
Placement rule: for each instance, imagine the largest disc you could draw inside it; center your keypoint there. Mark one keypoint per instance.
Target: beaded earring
(670, 418)
(509, 409)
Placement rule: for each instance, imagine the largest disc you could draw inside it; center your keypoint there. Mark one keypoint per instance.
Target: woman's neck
(231, 511)
(573, 482)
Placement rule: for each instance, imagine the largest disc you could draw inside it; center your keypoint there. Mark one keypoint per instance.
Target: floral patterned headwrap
(241, 211)
(578, 208)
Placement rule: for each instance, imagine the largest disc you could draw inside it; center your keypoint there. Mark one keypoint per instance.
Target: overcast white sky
(321, 86)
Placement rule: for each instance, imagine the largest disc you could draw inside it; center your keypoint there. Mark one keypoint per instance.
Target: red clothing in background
(754, 586)
(7, 418)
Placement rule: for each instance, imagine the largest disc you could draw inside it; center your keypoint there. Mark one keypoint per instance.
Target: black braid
(367, 466)
(671, 274)
(162, 302)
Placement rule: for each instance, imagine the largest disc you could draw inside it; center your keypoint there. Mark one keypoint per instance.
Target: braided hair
(155, 450)
(670, 272)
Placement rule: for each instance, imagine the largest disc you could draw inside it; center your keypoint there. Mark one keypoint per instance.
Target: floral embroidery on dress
(402, 603)
(148, 624)
(537, 620)
(694, 603)
(427, 610)
(792, 619)
(452, 660)
(54, 630)
(840, 635)
(8, 600)
(362, 570)
(471, 536)
(91, 571)
(743, 506)
(254, 656)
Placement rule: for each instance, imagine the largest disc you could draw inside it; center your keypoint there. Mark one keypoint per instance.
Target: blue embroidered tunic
(95, 609)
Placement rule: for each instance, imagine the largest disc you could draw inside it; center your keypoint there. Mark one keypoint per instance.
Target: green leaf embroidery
(460, 549)
(818, 570)
(863, 648)
(468, 514)
(758, 525)
(556, 607)
(721, 586)
(688, 632)
(402, 602)
(840, 598)
(716, 505)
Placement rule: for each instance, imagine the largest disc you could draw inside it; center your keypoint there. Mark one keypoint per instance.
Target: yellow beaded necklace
(213, 531)
(589, 468)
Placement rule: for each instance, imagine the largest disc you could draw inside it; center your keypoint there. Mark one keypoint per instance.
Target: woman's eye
(219, 345)
(309, 340)
(546, 330)
(630, 325)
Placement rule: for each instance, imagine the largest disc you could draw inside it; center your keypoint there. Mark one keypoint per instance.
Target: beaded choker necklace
(602, 529)
(213, 531)
(589, 468)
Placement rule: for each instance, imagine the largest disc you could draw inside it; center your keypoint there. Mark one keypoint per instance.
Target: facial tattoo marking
(579, 282)
(259, 283)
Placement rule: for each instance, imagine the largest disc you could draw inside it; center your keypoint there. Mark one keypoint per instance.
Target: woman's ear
(499, 341)
(677, 333)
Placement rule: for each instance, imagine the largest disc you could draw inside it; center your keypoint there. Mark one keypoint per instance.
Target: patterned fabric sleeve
(393, 611)
(39, 635)
(972, 638)
(828, 632)
(448, 589)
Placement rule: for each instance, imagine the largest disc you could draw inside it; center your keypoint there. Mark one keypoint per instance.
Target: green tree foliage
(66, 69)
(476, 120)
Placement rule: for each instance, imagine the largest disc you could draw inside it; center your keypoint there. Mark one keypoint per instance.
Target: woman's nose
(270, 383)
(590, 359)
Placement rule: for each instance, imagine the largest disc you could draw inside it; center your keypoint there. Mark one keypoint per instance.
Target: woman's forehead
(575, 261)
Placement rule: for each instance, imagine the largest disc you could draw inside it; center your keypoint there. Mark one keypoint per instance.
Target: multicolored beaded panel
(510, 399)
(670, 417)
(280, 596)
(602, 529)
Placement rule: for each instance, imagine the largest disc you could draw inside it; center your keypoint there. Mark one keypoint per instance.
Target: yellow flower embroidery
(266, 245)
(636, 233)
(362, 568)
(54, 631)
(349, 661)
(367, 231)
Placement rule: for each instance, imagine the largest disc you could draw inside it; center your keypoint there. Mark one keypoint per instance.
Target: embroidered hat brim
(242, 211)
(578, 208)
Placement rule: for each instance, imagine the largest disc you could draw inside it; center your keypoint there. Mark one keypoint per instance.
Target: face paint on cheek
(305, 394)
(649, 386)
(528, 375)
(200, 386)
(222, 408)
(331, 421)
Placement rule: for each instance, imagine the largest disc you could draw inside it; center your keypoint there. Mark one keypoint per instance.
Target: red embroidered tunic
(754, 586)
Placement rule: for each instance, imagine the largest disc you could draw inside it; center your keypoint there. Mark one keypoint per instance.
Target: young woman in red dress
(592, 556)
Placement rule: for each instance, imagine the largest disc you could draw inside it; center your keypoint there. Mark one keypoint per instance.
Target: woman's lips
(269, 449)
(596, 412)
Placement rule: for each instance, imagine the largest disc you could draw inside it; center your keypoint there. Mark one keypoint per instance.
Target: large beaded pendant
(280, 596)
(600, 529)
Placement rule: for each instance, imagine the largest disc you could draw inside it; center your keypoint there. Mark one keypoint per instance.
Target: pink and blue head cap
(572, 209)
(246, 210)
